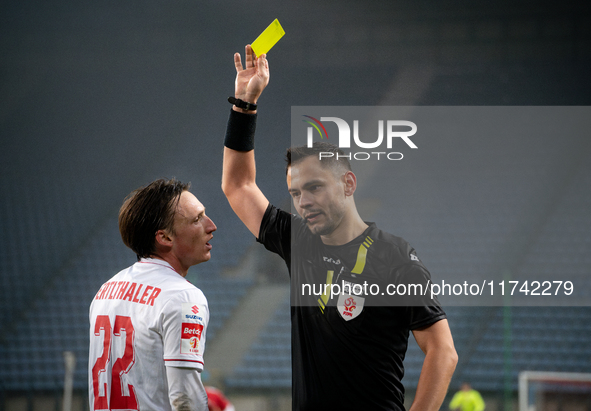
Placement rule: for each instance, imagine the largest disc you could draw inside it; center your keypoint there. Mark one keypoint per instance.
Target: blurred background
(99, 98)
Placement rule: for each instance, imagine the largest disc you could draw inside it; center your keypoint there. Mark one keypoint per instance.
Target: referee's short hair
(337, 160)
(147, 210)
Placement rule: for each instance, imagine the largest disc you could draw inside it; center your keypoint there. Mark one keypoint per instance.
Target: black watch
(242, 104)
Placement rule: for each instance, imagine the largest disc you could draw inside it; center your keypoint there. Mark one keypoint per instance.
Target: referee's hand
(252, 79)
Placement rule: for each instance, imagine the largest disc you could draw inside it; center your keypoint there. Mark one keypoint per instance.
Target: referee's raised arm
(239, 169)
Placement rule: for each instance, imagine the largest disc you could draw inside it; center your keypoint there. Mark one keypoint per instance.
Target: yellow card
(268, 38)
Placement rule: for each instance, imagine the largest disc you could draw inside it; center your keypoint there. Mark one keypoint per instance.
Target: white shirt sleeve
(185, 389)
(184, 329)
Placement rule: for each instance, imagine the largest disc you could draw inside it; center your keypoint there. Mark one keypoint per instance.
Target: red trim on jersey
(173, 359)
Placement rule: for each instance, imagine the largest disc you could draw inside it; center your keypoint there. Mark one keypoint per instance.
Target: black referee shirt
(348, 350)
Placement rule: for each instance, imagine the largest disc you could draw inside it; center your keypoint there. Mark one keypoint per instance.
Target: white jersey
(144, 319)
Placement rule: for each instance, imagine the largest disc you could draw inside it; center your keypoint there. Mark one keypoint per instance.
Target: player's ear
(350, 181)
(163, 238)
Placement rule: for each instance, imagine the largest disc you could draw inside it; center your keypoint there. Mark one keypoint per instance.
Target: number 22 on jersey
(113, 398)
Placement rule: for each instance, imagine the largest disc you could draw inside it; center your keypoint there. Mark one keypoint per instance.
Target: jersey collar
(157, 261)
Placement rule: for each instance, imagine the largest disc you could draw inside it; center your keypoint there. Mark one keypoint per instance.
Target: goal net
(554, 391)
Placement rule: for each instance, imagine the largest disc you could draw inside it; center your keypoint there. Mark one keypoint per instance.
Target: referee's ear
(163, 239)
(350, 182)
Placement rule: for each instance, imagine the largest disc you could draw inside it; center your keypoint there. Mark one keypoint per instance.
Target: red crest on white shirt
(350, 306)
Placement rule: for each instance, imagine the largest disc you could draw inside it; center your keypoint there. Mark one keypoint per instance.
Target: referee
(347, 349)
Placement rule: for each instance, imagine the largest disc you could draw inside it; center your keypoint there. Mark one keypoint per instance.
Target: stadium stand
(268, 363)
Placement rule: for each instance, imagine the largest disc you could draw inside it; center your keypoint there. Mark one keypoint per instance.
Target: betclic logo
(387, 132)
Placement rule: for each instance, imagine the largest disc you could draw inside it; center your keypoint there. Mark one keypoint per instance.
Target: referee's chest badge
(350, 306)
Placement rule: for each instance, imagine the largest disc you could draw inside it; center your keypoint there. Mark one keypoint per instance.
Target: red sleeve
(216, 397)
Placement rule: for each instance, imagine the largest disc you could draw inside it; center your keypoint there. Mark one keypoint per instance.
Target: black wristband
(240, 131)
(242, 104)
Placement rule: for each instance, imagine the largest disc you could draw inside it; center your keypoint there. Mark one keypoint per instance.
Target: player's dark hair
(147, 210)
(336, 160)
